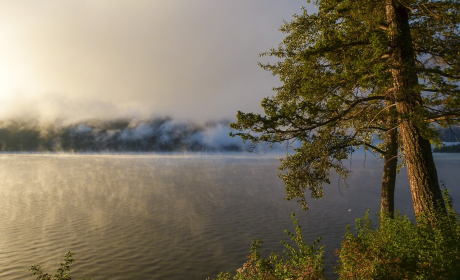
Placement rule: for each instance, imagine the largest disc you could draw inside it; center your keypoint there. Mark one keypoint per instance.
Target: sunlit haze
(192, 60)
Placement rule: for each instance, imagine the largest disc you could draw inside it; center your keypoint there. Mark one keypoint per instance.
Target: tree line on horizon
(121, 135)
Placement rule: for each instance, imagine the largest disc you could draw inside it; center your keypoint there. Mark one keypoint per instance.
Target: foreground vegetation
(305, 262)
(398, 249)
(61, 272)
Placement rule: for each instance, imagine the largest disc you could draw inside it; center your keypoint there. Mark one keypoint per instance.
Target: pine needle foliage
(345, 71)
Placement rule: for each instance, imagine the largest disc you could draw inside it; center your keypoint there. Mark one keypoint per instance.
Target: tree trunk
(390, 164)
(423, 178)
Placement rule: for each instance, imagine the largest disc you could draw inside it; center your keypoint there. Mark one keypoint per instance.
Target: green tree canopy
(355, 70)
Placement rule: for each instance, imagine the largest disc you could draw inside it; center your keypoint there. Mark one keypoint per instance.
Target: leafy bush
(402, 249)
(398, 249)
(305, 262)
(61, 272)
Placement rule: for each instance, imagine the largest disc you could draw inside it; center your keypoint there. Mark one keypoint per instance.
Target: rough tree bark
(423, 178)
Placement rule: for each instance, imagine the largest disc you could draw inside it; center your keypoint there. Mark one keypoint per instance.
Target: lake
(171, 216)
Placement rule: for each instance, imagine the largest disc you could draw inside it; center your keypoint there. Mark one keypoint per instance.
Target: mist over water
(170, 216)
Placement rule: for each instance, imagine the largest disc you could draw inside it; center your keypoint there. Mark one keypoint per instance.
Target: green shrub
(402, 249)
(305, 262)
(61, 272)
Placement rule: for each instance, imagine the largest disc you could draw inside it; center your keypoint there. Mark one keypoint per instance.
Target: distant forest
(449, 135)
(448, 149)
(122, 135)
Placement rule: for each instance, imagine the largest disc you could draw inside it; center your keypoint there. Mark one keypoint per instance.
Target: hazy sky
(189, 59)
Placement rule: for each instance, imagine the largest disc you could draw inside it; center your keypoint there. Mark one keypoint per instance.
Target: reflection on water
(167, 216)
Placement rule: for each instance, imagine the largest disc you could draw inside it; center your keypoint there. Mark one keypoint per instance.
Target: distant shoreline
(450, 148)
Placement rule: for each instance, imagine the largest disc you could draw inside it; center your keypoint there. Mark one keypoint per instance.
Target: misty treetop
(121, 135)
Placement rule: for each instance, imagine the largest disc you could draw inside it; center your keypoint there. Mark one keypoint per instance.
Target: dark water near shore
(170, 216)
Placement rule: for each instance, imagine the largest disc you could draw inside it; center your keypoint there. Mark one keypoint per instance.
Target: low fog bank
(120, 135)
(160, 134)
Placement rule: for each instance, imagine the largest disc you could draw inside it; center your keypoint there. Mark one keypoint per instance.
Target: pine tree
(354, 70)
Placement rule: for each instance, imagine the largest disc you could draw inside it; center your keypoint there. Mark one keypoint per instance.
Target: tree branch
(437, 72)
(338, 116)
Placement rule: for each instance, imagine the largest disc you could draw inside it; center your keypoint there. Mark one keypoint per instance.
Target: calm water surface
(170, 216)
